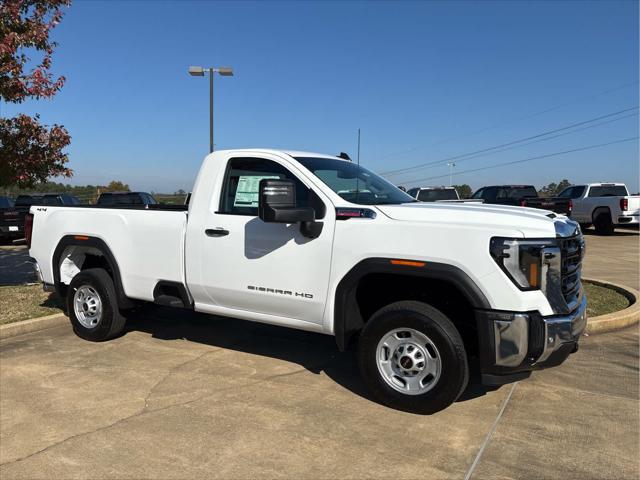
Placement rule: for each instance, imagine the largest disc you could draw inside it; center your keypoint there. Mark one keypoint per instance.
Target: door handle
(216, 232)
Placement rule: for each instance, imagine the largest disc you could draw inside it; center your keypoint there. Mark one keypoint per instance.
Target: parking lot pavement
(183, 395)
(15, 266)
(614, 258)
(186, 396)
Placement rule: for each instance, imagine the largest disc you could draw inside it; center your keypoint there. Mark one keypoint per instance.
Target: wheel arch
(94, 246)
(348, 318)
(597, 210)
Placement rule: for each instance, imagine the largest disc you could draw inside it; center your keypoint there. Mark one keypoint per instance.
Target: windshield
(354, 183)
(435, 194)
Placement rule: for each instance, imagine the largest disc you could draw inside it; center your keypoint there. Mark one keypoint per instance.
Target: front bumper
(512, 344)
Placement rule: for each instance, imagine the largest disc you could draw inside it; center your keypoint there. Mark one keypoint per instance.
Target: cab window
(242, 180)
(608, 191)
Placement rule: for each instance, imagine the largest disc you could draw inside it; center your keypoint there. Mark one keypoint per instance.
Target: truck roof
(605, 184)
(121, 193)
(509, 186)
(291, 153)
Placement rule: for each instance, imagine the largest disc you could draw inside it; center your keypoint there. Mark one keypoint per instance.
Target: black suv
(10, 226)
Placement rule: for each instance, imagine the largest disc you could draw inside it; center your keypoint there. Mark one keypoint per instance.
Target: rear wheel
(92, 306)
(412, 358)
(603, 224)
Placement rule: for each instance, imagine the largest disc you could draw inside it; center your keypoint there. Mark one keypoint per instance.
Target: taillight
(570, 205)
(28, 228)
(624, 204)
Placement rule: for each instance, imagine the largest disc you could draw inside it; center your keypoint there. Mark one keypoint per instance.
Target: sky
(423, 81)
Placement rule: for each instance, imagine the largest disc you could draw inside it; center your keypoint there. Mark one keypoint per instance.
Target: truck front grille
(572, 251)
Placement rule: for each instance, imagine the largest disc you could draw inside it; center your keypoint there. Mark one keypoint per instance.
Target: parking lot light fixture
(195, 71)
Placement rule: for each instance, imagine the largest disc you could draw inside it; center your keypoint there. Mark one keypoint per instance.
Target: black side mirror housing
(277, 204)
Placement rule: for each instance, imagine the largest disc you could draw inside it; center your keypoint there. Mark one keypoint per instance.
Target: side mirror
(277, 203)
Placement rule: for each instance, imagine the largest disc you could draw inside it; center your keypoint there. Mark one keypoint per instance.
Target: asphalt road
(614, 258)
(15, 266)
(201, 397)
(183, 395)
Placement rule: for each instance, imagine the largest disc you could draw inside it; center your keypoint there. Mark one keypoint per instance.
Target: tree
(464, 190)
(554, 189)
(115, 186)
(29, 152)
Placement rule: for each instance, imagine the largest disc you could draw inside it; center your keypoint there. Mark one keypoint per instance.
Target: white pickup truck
(316, 242)
(603, 205)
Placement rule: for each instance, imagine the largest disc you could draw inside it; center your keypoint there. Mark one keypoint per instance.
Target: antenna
(358, 174)
(358, 147)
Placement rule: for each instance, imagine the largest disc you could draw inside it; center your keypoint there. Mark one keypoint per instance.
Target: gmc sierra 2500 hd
(318, 243)
(605, 205)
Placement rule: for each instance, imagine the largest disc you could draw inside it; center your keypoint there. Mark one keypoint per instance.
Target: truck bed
(147, 243)
(159, 206)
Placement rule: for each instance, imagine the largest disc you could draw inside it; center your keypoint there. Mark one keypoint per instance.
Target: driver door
(266, 268)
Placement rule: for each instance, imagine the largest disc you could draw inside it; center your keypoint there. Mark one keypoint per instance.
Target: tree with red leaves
(29, 152)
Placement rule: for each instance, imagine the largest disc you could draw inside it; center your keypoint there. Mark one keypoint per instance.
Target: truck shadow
(619, 232)
(313, 351)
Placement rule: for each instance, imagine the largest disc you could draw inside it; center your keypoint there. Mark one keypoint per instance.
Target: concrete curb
(32, 325)
(615, 320)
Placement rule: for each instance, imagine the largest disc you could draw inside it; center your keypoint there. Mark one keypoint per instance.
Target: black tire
(454, 373)
(111, 322)
(603, 224)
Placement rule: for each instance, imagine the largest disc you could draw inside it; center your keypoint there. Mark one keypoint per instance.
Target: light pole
(451, 165)
(199, 72)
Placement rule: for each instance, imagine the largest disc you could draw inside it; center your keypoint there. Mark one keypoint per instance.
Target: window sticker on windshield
(247, 191)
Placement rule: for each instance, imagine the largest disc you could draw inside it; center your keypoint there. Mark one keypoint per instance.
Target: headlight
(521, 260)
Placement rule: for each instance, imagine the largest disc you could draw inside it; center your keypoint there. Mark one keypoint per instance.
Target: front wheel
(92, 306)
(412, 358)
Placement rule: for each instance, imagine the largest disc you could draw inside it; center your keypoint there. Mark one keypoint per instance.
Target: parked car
(10, 227)
(277, 237)
(605, 205)
(434, 194)
(126, 198)
(522, 196)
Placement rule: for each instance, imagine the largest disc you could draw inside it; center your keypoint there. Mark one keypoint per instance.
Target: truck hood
(531, 222)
